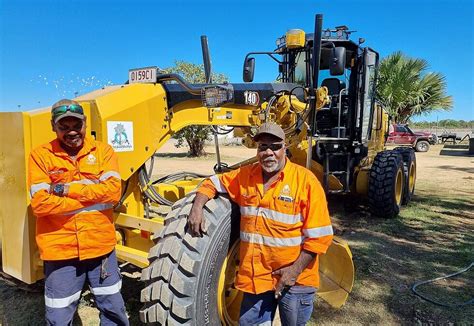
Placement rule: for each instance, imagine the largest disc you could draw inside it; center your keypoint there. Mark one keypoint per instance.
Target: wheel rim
(423, 146)
(228, 297)
(399, 186)
(412, 177)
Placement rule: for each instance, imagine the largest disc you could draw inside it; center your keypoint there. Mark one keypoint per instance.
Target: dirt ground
(433, 236)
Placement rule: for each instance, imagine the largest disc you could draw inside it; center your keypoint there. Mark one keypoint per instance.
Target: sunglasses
(77, 127)
(60, 110)
(273, 147)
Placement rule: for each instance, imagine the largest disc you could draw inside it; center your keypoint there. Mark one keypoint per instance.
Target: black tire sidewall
(382, 199)
(222, 239)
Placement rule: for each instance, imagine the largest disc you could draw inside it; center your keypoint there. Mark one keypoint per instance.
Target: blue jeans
(259, 309)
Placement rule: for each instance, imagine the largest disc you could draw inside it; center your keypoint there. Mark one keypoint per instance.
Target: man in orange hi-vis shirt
(74, 183)
(284, 226)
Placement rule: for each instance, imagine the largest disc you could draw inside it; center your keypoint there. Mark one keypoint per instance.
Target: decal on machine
(251, 98)
(120, 135)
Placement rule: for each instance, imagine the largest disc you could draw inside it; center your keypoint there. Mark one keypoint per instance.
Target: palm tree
(406, 89)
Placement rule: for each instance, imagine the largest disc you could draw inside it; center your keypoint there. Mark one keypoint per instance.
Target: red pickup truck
(400, 134)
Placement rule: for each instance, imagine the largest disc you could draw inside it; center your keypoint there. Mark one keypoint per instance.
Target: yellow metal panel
(299, 154)
(178, 189)
(362, 182)
(192, 112)
(136, 257)
(20, 257)
(151, 225)
(144, 105)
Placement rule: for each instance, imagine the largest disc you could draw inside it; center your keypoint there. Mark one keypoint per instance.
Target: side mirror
(338, 61)
(249, 70)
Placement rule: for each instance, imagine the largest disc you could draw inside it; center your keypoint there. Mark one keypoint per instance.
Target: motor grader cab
(189, 280)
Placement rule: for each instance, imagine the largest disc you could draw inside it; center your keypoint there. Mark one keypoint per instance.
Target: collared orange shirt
(275, 225)
(80, 224)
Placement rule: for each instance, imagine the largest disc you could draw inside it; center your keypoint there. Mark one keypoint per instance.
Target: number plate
(142, 75)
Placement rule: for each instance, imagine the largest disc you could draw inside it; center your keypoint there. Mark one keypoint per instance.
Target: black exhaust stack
(206, 59)
(318, 26)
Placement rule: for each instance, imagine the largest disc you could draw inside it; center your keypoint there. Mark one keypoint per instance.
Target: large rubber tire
(409, 169)
(386, 181)
(422, 146)
(183, 275)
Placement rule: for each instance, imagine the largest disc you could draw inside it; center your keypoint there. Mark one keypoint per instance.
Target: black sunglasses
(273, 147)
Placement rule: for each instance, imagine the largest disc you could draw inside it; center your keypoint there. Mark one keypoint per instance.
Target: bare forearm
(199, 201)
(303, 261)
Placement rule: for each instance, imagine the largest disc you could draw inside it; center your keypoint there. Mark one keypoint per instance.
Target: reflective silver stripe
(217, 183)
(107, 290)
(37, 187)
(62, 302)
(109, 174)
(92, 208)
(270, 241)
(318, 232)
(271, 214)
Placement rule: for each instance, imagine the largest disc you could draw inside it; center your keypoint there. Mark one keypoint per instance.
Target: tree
(194, 136)
(406, 89)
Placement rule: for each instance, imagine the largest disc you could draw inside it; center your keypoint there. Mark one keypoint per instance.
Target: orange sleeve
(317, 226)
(42, 202)
(224, 183)
(108, 190)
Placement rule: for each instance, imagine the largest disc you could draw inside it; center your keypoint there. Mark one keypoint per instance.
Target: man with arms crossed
(74, 183)
(284, 226)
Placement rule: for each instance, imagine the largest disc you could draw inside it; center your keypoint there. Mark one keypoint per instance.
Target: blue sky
(53, 49)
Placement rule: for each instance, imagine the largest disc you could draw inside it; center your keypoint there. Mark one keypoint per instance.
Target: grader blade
(336, 271)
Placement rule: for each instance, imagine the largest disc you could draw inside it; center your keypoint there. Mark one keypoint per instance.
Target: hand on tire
(288, 276)
(196, 223)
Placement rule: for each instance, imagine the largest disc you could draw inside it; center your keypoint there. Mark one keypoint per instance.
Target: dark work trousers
(65, 280)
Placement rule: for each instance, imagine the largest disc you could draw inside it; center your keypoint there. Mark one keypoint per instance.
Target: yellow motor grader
(333, 127)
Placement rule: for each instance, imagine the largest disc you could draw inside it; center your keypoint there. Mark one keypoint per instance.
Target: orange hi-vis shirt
(277, 225)
(80, 224)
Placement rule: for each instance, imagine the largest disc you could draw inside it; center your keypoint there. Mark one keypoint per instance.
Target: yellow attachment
(336, 272)
(295, 38)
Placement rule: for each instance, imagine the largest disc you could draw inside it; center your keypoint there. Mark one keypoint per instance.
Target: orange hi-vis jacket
(276, 225)
(79, 224)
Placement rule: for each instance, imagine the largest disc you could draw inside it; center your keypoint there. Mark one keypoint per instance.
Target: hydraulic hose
(468, 302)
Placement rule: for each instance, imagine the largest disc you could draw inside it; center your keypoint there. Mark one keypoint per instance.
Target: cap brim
(69, 114)
(257, 136)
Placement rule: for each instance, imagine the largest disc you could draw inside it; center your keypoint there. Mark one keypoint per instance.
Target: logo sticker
(285, 194)
(91, 159)
(120, 135)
